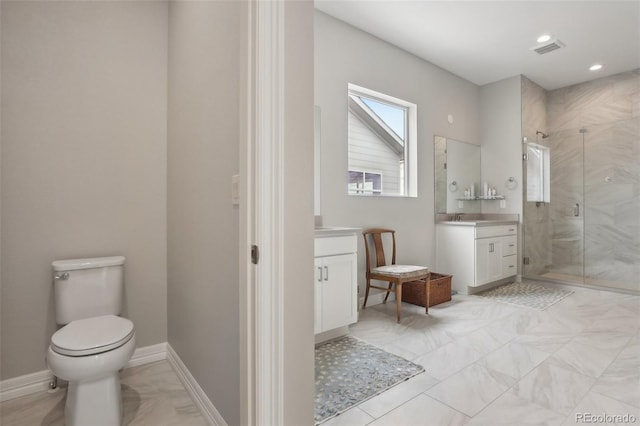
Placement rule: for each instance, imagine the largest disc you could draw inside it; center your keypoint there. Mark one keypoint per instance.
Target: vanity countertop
(480, 222)
(326, 231)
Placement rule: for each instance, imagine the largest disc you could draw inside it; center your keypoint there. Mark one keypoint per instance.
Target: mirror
(316, 160)
(457, 169)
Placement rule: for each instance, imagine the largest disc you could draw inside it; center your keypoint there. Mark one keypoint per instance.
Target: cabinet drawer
(509, 266)
(496, 231)
(328, 246)
(509, 245)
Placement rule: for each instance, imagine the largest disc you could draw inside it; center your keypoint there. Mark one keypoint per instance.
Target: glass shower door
(554, 220)
(612, 205)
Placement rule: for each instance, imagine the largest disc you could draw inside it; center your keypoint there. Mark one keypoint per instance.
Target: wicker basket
(440, 286)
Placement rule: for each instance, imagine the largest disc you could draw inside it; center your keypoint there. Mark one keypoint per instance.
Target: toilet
(94, 342)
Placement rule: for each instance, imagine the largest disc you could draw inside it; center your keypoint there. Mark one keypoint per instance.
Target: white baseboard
(331, 334)
(148, 354)
(39, 381)
(24, 385)
(200, 399)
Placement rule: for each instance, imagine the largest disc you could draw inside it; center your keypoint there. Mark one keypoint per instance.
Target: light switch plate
(503, 204)
(235, 190)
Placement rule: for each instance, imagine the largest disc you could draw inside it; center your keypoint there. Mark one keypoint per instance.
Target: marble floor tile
(621, 380)
(471, 389)
(422, 411)
(449, 359)
(423, 341)
(591, 353)
(487, 339)
(553, 387)
(397, 395)
(42, 408)
(547, 337)
(514, 359)
(152, 394)
(352, 417)
(599, 405)
(399, 350)
(621, 318)
(518, 322)
(511, 410)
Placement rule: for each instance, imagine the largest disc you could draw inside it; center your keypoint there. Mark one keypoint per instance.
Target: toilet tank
(86, 288)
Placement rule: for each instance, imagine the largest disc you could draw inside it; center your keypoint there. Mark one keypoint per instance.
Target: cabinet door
(338, 291)
(488, 260)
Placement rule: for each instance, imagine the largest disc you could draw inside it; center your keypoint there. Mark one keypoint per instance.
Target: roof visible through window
(393, 116)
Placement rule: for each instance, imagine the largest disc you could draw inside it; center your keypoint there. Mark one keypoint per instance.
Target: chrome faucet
(457, 217)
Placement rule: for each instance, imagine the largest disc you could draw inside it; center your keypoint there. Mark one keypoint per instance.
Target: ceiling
(487, 41)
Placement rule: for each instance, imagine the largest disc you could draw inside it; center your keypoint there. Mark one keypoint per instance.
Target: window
(382, 143)
(538, 173)
(365, 183)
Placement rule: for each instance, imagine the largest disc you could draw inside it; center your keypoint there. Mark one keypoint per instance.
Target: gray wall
(203, 132)
(536, 228)
(501, 143)
(345, 55)
(607, 184)
(84, 108)
(298, 342)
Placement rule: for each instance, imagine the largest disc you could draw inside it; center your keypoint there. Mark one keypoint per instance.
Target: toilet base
(96, 402)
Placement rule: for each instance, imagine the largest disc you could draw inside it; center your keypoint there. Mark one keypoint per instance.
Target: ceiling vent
(548, 46)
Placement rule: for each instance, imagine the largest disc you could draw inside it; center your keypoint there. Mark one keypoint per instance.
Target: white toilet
(95, 343)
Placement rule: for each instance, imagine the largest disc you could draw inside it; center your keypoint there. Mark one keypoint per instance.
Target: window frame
(410, 180)
(363, 191)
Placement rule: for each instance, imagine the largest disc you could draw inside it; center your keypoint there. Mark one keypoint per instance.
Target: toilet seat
(91, 336)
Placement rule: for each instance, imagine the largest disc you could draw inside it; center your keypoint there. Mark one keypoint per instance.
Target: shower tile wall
(609, 110)
(537, 226)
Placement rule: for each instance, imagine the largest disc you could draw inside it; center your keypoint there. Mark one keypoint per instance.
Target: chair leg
(366, 294)
(399, 300)
(386, 296)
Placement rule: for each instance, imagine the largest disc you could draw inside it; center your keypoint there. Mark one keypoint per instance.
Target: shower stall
(582, 187)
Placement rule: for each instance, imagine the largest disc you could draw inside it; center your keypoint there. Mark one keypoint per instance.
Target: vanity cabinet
(335, 281)
(476, 255)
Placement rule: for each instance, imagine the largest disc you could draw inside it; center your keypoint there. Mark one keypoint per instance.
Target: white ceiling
(487, 41)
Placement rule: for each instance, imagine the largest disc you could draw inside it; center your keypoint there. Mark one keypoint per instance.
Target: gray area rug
(527, 294)
(350, 371)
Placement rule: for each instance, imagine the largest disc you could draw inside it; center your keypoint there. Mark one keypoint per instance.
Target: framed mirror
(456, 170)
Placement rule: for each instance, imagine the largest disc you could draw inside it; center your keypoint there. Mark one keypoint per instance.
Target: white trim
(24, 385)
(148, 354)
(211, 415)
(331, 334)
(39, 381)
(262, 216)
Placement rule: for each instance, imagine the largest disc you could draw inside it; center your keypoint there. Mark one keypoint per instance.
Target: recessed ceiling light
(543, 38)
(595, 67)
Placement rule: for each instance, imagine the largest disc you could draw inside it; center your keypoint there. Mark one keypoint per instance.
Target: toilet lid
(92, 335)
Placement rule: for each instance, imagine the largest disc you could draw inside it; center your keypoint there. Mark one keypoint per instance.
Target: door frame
(262, 213)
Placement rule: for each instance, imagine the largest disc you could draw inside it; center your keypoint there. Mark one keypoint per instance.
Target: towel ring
(453, 186)
(511, 183)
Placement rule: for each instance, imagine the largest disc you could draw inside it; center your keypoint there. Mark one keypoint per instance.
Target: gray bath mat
(350, 371)
(527, 294)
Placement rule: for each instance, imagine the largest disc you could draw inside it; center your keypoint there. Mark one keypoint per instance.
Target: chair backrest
(373, 237)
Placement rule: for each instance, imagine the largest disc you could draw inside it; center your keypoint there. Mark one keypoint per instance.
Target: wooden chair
(391, 273)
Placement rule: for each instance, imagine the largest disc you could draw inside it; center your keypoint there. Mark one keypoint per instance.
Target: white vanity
(478, 253)
(336, 281)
